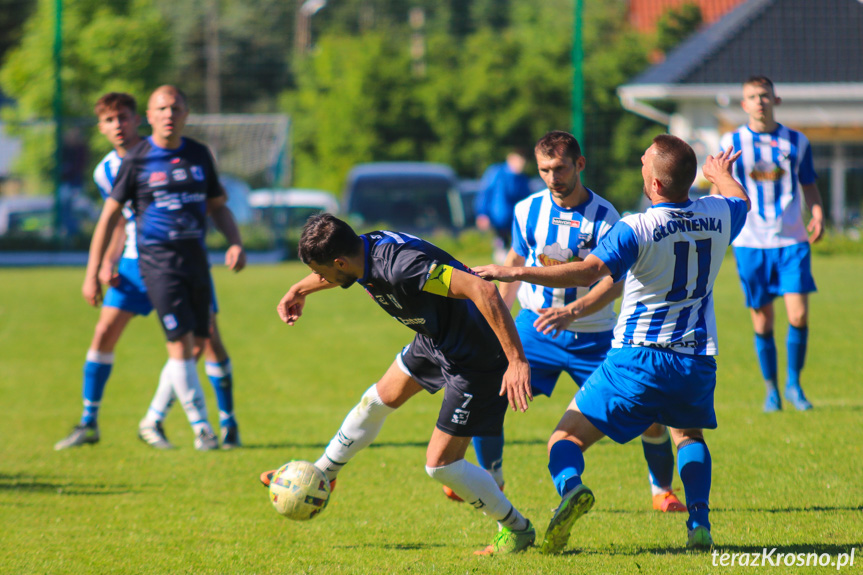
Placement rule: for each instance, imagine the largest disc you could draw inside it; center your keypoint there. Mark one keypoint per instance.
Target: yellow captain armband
(439, 279)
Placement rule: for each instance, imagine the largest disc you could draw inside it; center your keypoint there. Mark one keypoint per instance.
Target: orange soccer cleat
(667, 502)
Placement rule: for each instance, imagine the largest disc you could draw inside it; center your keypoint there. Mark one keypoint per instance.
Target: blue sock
(220, 376)
(97, 370)
(489, 451)
(566, 464)
(695, 468)
(796, 342)
(660, 461)
(765, 348)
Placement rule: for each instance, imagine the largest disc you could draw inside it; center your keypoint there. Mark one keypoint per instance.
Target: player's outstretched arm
(554, 319)
(111, 213)
(516, 380)
(717, 170)
(291, 305)
(584, 273)
(223, 218)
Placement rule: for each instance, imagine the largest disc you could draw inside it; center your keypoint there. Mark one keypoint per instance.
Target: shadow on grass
(30, 484)
(376, 445)
(393, 546)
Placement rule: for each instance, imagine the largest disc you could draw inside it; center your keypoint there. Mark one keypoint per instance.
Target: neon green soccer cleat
(700, 539)
(573, 505)
(509, 541)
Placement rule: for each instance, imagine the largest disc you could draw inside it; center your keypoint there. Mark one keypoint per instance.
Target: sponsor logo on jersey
(767, 172)
(175, 160)
(566, 223)
(681, 215)
(555, 254)
(197, 173)
(381, 299)
(157, 179)
(393, 299)
(179, 175)
(412, 320)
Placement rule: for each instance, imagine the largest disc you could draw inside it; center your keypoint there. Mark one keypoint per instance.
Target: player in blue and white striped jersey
(772, 252)
(568, 329)
(661, 369)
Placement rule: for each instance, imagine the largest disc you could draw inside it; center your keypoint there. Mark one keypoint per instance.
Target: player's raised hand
(290, 307)
(516, 385)
(719, 165)
(92, 291)
(494, 272)
(235, 258)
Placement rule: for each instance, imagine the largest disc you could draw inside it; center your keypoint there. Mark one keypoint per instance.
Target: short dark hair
(325, 238)
(557, 144)
(113, 101)
(675, 165)
(759, 81)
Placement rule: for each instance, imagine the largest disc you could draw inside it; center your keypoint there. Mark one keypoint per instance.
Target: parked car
(284, 211)
(34, 215)
(404, 196)
(238, 197)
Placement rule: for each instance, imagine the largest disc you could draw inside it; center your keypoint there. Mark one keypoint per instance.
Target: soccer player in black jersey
(466, 343)
(171, 184)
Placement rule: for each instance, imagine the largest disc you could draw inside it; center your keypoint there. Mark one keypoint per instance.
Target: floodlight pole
(577, 77)
(58, 117)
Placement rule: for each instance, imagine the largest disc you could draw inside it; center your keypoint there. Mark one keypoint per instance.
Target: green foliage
(788, 480)
(107, 46)
(677, 24)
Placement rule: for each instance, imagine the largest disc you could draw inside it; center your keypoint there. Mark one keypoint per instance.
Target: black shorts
(472, 405)
(181, 295)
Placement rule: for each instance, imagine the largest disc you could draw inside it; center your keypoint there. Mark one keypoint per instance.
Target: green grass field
(789, 480)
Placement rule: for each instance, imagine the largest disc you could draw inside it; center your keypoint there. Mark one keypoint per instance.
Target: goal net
(252, 147)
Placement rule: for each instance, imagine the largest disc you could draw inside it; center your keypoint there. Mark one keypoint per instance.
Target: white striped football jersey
(671, 255)
(772, 168)
(104, 176)
(546, 234)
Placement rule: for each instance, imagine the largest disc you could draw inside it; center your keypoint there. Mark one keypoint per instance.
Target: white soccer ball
(299, 490)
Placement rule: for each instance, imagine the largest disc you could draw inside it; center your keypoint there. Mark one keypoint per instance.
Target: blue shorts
(766, 274)
(578, 354)
(131, 294)
(635, 387)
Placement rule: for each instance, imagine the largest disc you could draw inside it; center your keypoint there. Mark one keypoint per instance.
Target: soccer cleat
(794, 395)
(509, 541)
(573, 505)
(206, 440)
(772, 402)
(230, 437)
(151, 433)
(700, 538)
(267, 476)
(80, 435)
(667, 502)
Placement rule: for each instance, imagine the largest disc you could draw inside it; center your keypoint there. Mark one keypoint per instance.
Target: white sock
(476, 486)
(163, 398)
(497, 474)
(357, 432)
(183, 374)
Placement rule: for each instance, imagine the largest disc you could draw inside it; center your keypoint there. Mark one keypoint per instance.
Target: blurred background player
(465, 343)
(661, 367)
(502, 186)
(126, 297)
(171, 184)
(773, 251)
(568, 329)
